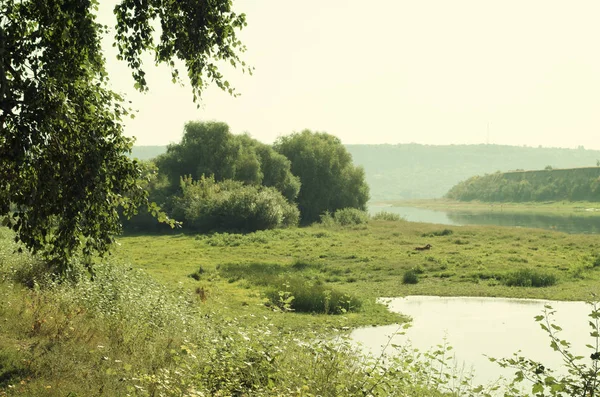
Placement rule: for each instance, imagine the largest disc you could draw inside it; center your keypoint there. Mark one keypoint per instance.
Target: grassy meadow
(238, 314)
(370, 261)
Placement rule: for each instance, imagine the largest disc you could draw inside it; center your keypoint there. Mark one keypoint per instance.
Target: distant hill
(574, 184)
(408, 171)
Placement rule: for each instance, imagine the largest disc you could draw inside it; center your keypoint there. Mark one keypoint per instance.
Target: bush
(529, 278)
(387, 216)
(439, 233)
(297, 294)
(345, 217)
(230, 205)
(410, 277)
(350, 216)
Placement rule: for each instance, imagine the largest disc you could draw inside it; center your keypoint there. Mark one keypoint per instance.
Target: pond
(474, 327)
(568, 224)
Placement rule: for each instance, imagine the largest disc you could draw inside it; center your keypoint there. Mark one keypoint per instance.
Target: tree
(329, 180)
(207, 148)
(64, 170)
(210, 149)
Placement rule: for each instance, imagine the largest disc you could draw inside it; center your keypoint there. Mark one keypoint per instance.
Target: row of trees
(214, 179)
(578, 184)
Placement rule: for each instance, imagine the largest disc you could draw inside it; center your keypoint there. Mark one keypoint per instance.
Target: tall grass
(529, 278)
(300, 295)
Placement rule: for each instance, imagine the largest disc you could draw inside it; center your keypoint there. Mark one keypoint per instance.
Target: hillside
(409, 171)
(575, 184)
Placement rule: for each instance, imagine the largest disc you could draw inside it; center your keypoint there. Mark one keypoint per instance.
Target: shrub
(345, 217)
(197, 275)
(410, 277)
(206, 205)
(438, 233)
(387, 216)
(297, 294)
(596, 261)
(529, 278)
(350, 216)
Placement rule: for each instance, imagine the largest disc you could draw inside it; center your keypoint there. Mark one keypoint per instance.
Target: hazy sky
(397, 71)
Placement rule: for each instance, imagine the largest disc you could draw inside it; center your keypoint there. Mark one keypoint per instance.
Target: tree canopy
(210, 149)
(329, 180)
(64, 169)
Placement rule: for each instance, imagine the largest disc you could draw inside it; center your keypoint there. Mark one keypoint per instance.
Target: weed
(305, 297)
(529, 278)
(345, 217)
(438, 233)
(387, 216)
(197, 275)
(410, 277)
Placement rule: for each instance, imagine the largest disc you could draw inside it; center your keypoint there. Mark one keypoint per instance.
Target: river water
(475, 327)
(568, 224)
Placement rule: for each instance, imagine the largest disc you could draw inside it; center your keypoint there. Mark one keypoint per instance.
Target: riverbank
(370, 261)
(176, 309)
(579, 208)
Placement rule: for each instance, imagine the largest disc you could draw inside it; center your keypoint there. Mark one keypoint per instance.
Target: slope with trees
(577, 184)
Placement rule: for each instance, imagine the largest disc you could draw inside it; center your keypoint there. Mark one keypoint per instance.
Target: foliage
(329, 179)
(300, 295)
(579, 184)
(529, 278)
(415, 171)
(387, 216)
(351, 216)
(345, 217)
(208, 205)
(210, 149)
(439, 233)
(582, 377)
(64, 167)
(125, 334)
(410, 277)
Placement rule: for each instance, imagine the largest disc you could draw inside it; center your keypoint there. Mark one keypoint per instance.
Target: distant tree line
(576, 184)
(215, 180)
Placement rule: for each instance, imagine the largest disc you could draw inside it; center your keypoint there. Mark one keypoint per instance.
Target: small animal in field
(425, 248)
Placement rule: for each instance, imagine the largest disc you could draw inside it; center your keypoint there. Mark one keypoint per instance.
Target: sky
(511, 72)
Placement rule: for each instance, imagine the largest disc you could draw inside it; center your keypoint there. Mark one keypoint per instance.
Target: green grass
(369, 261)
(224, 300)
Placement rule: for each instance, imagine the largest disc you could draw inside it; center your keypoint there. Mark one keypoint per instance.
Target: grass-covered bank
(205, 315)
(580, 208)
(369, 261)
(124, 334)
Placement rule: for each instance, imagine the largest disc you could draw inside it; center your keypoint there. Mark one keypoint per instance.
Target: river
(564, 223)
(475, 327)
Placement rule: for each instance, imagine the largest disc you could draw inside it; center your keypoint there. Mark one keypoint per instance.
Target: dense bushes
(230, 205)
(210, 149)
(240, 181)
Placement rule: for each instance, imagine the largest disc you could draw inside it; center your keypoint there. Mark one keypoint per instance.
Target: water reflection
(568, 224)
(475, 327)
